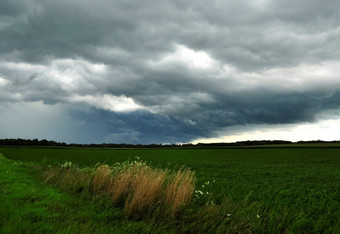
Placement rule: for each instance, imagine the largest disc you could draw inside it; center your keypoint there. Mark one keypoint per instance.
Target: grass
(296, 189)
(41, 208)
(179, 190)
(27, 205)
(134, 185)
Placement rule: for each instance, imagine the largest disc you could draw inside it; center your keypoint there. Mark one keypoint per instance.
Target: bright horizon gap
(325, 130)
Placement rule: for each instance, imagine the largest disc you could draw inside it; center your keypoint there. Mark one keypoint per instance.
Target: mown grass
(297, 188)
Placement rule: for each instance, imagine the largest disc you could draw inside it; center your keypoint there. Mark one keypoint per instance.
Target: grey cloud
(21, 81)
(139, 127)
(234, 32)
(127, 36)
(10, 8)
(32, 87)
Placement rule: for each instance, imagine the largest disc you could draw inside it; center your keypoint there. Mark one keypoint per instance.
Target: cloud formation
(169, 71)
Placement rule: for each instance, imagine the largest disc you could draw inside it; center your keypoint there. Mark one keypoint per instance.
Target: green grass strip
(27, 205)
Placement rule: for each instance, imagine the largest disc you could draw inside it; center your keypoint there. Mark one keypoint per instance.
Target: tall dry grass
(134, 185)
(102, 180)
(179, 190)
(159, 195)
(146, 189)
(124, 175)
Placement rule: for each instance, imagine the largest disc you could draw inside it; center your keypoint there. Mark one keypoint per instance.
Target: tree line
(44, 142)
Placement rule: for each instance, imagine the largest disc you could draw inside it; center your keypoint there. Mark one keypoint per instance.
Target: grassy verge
(133, 185)
(27, 205)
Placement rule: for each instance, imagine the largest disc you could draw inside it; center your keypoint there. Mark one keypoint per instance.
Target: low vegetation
(133, 185)
(245, 190)
(156, 195)
(126, 193)
(28, 205)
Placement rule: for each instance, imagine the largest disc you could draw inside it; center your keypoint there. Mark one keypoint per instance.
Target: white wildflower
(199, 191)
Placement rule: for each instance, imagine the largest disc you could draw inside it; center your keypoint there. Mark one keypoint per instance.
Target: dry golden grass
(146, 189)
(121, 185)
(136, 185)
(124, 175)
(102, 180)
(179, 190)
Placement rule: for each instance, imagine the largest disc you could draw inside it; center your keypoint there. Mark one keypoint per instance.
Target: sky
(169, 71)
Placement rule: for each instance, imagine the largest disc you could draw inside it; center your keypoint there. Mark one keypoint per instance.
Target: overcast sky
(169, 71)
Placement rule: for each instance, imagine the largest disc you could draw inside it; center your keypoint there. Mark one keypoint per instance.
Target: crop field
(293, 189)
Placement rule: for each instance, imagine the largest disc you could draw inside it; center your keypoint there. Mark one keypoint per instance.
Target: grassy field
(296, 189)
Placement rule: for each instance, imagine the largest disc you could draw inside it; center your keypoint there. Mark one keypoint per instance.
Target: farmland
(295, 188)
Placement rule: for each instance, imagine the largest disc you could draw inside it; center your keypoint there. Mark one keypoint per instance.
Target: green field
(295, 188)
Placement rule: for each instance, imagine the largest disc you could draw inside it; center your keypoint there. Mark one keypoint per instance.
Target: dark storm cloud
(139, 127)
(247, 35)
(183, 69)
